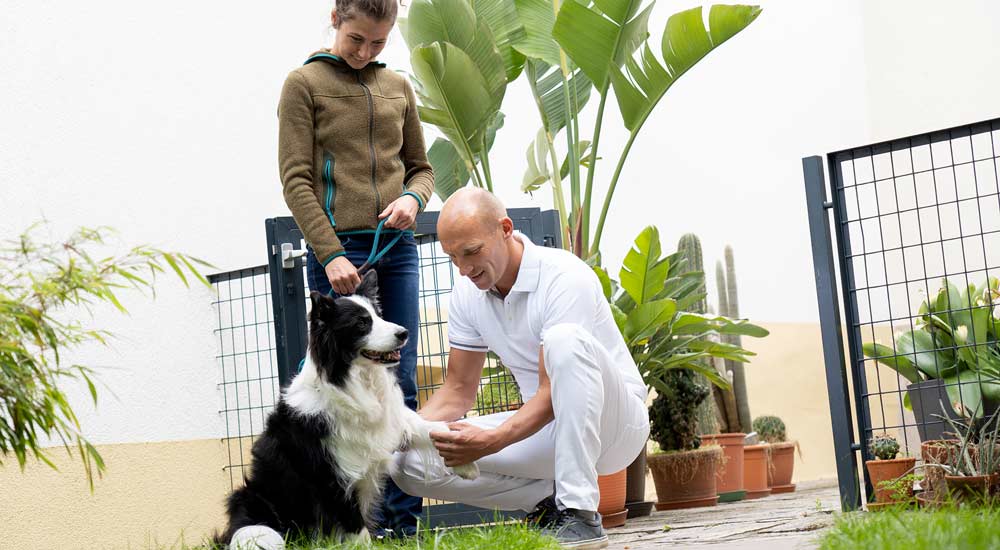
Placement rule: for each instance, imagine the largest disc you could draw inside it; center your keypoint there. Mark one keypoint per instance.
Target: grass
(513, 536)
(966, 529)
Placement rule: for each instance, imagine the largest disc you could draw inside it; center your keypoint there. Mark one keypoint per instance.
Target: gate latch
(289, 255)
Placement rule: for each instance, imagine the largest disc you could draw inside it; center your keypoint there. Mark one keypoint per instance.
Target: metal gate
(917, 228)
(258, 304)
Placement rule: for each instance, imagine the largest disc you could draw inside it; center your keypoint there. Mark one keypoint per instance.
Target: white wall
(159, 119)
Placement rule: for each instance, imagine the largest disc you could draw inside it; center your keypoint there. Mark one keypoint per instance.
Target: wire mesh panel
(917, 222)
(246, 357)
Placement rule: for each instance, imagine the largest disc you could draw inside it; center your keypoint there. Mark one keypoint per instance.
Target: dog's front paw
(467, 471)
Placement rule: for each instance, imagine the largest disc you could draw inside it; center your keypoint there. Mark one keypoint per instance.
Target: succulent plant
(884, 447)
(770, 429)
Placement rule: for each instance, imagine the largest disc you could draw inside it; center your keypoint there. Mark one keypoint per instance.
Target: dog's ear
(369, 286)
(321, 304)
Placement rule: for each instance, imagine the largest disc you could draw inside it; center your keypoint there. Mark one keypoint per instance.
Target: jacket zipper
(371, 142)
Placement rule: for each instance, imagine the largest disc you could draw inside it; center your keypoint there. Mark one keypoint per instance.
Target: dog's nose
(401, 334)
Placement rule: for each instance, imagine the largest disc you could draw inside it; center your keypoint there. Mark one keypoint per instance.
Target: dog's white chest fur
(369, 421)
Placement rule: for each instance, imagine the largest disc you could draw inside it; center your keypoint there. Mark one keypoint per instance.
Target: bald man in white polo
(543, 312)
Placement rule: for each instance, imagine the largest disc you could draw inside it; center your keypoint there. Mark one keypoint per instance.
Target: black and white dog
(319, 467)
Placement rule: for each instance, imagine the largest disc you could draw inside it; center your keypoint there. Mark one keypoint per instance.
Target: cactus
(771, 429)
(729, 307)
(690, 249)
(884, 447)
(672, 423)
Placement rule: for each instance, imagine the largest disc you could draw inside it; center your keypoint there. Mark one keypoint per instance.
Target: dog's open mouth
(386, 357)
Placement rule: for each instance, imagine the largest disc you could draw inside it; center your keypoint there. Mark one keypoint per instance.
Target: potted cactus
(885, 470)
(781, 455)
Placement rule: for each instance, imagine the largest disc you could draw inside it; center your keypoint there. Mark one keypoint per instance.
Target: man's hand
(401, 212)
(464, 443)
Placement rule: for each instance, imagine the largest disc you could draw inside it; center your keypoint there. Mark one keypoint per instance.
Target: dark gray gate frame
(818, 207)
(288, 296)
(844, 446)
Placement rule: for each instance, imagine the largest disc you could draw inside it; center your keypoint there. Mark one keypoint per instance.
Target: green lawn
(965, 529)
(514, 536)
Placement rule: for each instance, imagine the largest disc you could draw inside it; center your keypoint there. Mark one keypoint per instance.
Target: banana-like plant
(465, 52)
(649, 303)
(956, 338)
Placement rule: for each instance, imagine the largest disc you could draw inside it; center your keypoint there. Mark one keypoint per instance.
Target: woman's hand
(343, 276)
(401, 212)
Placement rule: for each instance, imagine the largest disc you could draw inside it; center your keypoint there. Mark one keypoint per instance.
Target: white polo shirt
(552, 287)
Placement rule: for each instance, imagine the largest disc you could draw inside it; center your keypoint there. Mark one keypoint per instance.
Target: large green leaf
(456, 23)
(887, 357)
(502, 18)
(538, 18)
(685, 42)
(538, 171)
(967, 389)
(456, 97)
(647, 318)
(929, 358)
(598, 42)
(642, 274)
(450, 173)
(549, 87)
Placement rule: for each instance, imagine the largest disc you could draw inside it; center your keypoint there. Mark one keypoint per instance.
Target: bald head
(471, 208)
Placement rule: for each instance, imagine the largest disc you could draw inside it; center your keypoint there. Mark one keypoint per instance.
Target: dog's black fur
(293, 486)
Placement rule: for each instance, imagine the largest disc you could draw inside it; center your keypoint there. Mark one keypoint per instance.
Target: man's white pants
(600, 426)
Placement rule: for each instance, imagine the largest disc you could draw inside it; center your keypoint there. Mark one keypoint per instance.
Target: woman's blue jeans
(398, 283)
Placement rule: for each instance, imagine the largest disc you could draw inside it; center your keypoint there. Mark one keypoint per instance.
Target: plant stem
(484, 157)
(611, 191)
(585, 226)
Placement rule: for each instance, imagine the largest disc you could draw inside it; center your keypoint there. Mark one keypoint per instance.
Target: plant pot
(635, 488)
(729, 477)
(933, 453)
(779, 473)
(685, 479)
(612, 503)
(972, 489)
(888, 470)
(931, 402)
(755, 467)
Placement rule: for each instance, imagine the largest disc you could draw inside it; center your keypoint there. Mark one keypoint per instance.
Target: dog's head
(349, 331)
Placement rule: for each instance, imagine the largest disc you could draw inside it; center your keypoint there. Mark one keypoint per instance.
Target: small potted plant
(972, 474)
(771, 430)
(683, 470)
(885, 470)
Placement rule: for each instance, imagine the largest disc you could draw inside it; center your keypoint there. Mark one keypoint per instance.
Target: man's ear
(369, 286)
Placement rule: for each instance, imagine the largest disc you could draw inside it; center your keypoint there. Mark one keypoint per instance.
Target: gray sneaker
(578, 529)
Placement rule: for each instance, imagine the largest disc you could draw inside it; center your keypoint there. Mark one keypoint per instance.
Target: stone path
(791, 521)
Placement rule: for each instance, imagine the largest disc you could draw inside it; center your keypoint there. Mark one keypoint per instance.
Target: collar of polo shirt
(527, 273)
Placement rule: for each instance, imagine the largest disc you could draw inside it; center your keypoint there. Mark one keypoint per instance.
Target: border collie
(319, 467)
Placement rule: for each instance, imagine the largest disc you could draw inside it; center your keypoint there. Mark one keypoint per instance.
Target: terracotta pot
(729, 477)
(934, 452)
(972, 489)
(612, 503)
(887, 470)
(685, 479)
(755, 467)
(779, 472)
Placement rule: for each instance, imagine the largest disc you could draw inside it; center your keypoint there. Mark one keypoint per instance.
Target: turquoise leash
(376, 254)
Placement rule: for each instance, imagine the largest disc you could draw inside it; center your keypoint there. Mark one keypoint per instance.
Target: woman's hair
(379, 10)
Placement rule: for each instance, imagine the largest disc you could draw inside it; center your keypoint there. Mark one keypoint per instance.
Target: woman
(351, 153)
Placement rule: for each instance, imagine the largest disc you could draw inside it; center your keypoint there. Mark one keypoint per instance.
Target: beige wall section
(787, 378)
(150, 493)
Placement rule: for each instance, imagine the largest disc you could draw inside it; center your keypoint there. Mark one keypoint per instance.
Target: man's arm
(532, 416)
(458, 393)
(466, 443)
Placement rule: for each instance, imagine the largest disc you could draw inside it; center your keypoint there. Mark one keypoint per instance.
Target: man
(542, 311)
